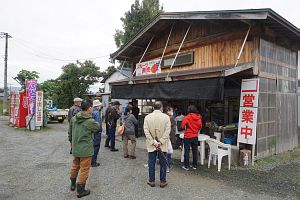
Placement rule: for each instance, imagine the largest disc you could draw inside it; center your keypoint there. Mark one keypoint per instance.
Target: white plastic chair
(218, 149)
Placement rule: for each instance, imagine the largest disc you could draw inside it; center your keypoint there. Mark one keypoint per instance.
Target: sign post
(31, 86)
(39, 109)
(248, 113)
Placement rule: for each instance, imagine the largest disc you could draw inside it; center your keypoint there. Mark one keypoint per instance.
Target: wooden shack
(203, 57)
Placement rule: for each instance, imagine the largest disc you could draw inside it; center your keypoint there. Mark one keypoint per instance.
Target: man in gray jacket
(75, 108)
(129, 133)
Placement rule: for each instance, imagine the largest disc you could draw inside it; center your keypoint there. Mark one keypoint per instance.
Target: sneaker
(185, 168)
(126, 156)
(168, 170)
(194, 168)
(132, 157)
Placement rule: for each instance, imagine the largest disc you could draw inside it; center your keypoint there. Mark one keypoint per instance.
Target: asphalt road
(35, 165)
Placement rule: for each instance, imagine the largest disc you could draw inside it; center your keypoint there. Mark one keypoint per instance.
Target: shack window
(182, 59)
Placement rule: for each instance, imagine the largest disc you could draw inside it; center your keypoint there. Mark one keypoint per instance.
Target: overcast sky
(47, 34)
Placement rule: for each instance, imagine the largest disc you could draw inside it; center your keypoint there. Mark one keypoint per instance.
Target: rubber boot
(81, 191)
(73, 184)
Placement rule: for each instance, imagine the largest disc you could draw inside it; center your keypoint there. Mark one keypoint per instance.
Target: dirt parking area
(35, 165)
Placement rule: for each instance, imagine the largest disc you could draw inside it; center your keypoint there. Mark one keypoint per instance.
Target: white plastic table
(201, 139)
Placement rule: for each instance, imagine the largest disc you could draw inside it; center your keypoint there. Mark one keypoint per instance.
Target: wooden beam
(239, 68)
(137, 47)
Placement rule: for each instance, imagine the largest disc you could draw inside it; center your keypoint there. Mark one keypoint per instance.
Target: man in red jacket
(192, 123)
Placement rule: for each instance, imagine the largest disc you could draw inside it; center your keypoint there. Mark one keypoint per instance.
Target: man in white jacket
(157, 127)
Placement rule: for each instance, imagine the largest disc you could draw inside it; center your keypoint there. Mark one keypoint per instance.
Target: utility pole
(5, 70)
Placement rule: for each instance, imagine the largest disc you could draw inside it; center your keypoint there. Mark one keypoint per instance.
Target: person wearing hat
(113, 114)
(97, 135)
(75, 108)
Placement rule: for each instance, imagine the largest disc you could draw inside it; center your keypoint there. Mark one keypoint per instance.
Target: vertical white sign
(39, 108)
(248, 111)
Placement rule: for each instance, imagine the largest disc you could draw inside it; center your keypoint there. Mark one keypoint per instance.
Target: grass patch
(279, 159)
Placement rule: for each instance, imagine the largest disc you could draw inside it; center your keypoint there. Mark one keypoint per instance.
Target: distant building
(114, 77)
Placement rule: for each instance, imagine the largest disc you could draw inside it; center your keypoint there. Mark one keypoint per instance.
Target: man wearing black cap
(113, 114)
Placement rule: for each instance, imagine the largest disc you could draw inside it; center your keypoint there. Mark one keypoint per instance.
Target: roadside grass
(273, 161)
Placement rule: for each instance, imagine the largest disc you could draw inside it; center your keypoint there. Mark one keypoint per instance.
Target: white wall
(114, 77)
(107, 89)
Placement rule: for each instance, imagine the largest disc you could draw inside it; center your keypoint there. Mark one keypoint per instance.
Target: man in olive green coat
(80, 132)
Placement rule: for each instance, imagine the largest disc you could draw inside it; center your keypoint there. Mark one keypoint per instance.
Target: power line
(43, 55)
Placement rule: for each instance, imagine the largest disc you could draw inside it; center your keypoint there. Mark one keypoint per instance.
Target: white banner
(247, 125)
(39, 108)
(147, 68)
(248, 111)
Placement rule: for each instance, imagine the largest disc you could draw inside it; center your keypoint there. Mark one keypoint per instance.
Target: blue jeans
(163, 165)
(111, 137)
(169, 158)
(97, 141)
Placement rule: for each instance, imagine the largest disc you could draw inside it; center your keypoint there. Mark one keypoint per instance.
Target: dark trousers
(151, 165)
(106, 128)
(188, 143)
(97, 141)
(111, 137)
(136, 130)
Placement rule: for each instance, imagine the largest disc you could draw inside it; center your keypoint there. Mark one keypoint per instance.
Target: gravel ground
(35, 165)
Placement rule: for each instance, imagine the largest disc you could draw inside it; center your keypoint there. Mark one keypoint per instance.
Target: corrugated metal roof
(267, 17)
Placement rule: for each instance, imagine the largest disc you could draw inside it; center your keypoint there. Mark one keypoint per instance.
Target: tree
(24, 75)
(74, 81)
(135, 19)
(51, 89)
(108, 72)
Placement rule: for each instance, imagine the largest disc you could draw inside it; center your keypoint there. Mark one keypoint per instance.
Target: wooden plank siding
(213, 45)
(216, 55)
(277, 116)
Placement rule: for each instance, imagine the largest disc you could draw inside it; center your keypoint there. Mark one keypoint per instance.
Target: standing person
(75, 108)
(81, 130)
(113, 115)
(106, 116)
(172, 135)
(157, 127)
(97, 135)
(179, 130)
(136, 112)
(192, 124)
(129, 133)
